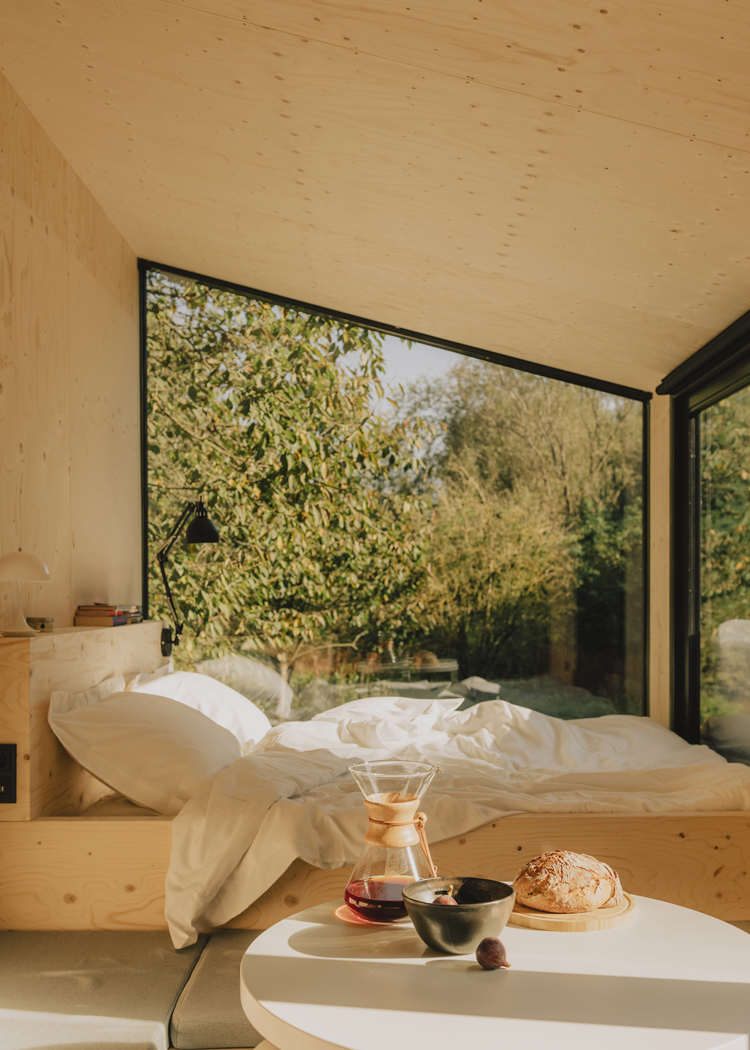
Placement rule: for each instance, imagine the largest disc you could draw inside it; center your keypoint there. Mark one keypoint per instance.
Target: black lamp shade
(201, 529)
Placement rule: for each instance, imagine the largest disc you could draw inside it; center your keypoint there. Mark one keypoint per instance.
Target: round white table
(672, 979)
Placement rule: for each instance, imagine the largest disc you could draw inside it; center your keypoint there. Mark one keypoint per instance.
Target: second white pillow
(224, 706)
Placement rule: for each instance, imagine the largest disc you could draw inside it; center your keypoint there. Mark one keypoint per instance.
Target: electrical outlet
(7, 773)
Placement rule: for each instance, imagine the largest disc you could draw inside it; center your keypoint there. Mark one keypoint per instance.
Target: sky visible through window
(406, 364)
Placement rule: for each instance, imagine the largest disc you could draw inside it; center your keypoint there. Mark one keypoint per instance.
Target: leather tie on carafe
(395, 825)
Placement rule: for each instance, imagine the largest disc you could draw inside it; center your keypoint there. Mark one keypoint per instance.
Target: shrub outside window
(395, 519)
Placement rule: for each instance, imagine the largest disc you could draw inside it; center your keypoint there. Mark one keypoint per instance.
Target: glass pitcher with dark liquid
(396, 850)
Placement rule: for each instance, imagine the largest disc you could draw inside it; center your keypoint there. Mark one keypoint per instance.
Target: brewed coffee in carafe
(396, 851)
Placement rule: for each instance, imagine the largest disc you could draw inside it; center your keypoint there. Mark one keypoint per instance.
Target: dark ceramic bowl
(482, 910)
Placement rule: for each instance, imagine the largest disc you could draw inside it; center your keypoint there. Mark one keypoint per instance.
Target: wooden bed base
(80, 873)
(62, 871)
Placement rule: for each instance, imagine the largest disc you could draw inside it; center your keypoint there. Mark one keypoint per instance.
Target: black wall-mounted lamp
(200, 530)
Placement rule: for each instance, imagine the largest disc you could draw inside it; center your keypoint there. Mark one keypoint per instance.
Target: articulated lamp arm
(200, 530)
(162, 555)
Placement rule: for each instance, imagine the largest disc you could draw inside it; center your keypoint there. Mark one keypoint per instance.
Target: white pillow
(216, 701)
(150, 676)
(115, 684)
(153, 750)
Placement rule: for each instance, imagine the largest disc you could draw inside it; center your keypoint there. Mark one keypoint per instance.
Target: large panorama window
(395, 518)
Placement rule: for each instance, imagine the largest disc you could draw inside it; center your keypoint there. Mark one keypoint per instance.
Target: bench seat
(85, 990)
(94, 989)
(209, 1012)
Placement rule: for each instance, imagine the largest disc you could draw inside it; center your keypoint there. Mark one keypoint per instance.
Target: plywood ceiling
(560, 180)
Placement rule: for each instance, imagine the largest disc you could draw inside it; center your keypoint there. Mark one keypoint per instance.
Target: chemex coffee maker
(396, 852)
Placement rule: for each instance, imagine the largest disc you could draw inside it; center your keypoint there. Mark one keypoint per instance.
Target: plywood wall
(69, 411)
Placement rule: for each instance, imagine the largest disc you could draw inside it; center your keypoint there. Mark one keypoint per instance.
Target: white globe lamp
(20, 567)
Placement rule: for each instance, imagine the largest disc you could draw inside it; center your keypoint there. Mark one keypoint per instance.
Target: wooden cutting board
(576, 922)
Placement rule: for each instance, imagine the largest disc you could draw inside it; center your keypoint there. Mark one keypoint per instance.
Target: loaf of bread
(567, 882)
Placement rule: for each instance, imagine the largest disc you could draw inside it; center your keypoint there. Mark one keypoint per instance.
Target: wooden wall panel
(72, 660)
(105, 520)
(660, 683)
(34, 415)
(69, 409)
(14, 721)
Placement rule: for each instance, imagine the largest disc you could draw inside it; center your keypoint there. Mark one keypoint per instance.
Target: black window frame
(718, 369)
(466, 349)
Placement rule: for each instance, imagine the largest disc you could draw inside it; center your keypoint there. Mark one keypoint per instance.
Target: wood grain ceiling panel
(677, 66)
(421, 165)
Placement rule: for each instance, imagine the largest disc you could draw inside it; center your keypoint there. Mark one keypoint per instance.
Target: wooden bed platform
(73, 873)
(63, 871)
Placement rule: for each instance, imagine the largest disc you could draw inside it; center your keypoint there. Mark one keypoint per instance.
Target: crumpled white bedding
(292, 796)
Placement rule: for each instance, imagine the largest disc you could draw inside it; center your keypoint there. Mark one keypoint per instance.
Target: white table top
(673, 979)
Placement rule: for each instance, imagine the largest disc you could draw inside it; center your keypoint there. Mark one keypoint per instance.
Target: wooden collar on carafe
(395, 824)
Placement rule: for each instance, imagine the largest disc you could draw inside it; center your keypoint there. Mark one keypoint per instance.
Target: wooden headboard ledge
(72, 659)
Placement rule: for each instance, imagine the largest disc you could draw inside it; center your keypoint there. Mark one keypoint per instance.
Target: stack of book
(101, 615)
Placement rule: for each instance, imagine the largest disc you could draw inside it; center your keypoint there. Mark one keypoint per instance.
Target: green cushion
(209, 1012)
(84, 990)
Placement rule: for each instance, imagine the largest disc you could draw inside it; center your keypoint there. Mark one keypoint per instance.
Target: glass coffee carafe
(396, 851)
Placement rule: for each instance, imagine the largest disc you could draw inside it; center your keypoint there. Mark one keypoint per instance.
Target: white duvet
(293, 797)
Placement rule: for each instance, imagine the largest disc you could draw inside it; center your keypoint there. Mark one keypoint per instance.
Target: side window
(710, 394)
(724, 444)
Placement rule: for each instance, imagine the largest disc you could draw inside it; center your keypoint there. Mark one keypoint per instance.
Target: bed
(72, 857)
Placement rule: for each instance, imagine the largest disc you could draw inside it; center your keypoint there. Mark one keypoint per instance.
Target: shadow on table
(459, 987)
(365, 941)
